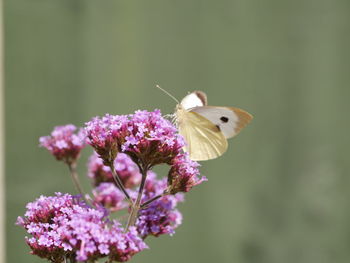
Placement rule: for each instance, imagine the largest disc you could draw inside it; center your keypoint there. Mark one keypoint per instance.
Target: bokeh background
(281, 192)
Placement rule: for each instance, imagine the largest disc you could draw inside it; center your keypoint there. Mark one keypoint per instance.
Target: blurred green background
(281, 192)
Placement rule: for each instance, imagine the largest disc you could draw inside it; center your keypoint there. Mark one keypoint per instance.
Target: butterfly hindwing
(204, 140)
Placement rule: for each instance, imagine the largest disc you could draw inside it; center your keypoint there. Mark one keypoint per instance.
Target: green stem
(120, 183)
(74, 174)
(145, 204)
(136, 207)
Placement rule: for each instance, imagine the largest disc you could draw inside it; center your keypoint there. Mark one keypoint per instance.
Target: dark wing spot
(217, 126)
(224, 119)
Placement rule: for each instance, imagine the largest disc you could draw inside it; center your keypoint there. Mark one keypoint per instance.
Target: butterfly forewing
(204, 140)
(230, 120)
(194, 99)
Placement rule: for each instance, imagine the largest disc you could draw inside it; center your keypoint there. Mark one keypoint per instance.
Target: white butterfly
(207, 128)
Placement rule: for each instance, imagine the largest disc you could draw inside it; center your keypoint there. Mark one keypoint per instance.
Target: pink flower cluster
(64, 143)
(161, 216)
(109, 196)
(148, 139)
(104, 134)
(183, 175)
(62, 227)
(127, 170)
(145, 136)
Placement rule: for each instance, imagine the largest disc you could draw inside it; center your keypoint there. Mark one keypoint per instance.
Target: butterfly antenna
(171, 96)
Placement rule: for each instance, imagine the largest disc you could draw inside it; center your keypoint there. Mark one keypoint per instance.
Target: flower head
(64, 143)
(108, 195)
(61, 226)
(161, 216)
(150, 139)
(127, 170)
(146, 137)
(103, 135)
(183, 175)
(124, 245)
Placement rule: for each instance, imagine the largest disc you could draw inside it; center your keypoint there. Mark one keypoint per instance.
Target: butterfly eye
(224, 119)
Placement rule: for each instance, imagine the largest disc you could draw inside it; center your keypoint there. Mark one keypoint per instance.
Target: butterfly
(207, 128)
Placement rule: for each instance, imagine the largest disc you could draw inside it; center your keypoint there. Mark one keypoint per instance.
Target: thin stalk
(74, 174)
(145, 204)
(120, 183)
(136, 207)
(72, 259)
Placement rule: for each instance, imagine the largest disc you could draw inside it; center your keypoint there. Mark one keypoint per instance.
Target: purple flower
(183, 175)
(124, 245)
(146, 137)
(108, 195)
(150, 139)
(62, 226)
(160, 217)
(103, 134)
(64, 143)
(127, 170)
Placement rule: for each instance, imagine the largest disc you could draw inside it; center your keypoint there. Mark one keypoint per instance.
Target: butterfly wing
(230, 120)
(204, 140)
(194, 99)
